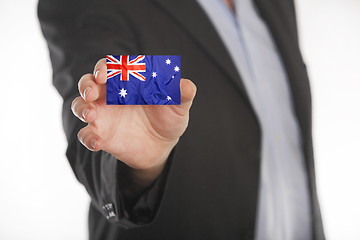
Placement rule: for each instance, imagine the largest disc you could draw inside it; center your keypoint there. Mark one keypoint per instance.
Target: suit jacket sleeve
(78, 34)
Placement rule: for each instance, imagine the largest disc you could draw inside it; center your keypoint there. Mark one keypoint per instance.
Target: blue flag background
(160, 87)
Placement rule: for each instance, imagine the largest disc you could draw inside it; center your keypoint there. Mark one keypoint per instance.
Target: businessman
(233, 161)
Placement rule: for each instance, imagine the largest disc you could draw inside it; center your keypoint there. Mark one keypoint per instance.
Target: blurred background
(40, 197)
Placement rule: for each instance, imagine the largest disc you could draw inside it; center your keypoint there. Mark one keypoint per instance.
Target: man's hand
(141, 136)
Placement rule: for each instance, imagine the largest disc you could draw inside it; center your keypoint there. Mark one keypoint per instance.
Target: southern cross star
(123, 93)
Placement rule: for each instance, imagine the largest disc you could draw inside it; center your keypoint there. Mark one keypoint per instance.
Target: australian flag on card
(143, 80)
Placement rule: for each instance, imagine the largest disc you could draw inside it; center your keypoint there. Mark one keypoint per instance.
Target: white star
(168, 98)
(123, 93)
(176, 69)
(154, 74)
(173, 76)
(168, 62)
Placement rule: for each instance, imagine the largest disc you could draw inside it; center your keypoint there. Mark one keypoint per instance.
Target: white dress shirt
(284, 210)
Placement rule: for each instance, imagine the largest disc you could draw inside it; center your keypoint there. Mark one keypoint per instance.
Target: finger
(88, 89)
(89, 138)
(188, 92)
(100, 71)
(83, 110)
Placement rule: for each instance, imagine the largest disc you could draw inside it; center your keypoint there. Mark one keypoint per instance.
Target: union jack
(125, 67)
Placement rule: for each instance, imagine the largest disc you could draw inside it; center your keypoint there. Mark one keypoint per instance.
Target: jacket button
(109, 210)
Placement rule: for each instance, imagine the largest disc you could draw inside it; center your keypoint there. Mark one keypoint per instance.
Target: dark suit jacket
(209, 188)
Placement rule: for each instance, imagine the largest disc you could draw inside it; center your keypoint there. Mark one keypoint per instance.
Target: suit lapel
(193, 19)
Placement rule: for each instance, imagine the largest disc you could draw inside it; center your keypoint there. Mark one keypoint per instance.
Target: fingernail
(86, 92)
(84, 114)
(93, 144)
(96, 73)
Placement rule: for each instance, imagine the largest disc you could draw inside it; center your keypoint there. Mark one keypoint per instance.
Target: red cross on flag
(126, 67)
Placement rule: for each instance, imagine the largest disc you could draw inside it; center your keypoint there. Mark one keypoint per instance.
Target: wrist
(143, 168)
(145, 174)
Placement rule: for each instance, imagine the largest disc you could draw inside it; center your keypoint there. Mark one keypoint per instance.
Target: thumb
(188, 92)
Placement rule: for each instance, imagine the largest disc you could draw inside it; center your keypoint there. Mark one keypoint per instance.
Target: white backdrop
(330, 41)
(40, 197)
